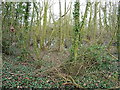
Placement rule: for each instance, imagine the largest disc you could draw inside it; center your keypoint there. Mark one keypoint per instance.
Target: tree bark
(118, 31)
(60, 30)
(95, 20)
(44, 24)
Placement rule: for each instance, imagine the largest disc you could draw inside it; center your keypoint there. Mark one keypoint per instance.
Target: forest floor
(19, 73)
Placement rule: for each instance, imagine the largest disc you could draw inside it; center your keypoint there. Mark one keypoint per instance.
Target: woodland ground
(55, 71)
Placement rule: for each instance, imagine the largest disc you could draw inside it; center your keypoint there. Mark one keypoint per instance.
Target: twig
(79, 70)
(111, 54)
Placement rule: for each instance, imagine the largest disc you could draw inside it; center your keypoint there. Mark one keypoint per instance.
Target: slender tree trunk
(100, 23)
(95, 20)
(83, 21)
(44, 24)
(90, 18)
(105, 17)
(40, 26)
(65, 28)
(26, 21)
(27, 15)
(109, 18)
(118, 31)
(90, 23)
(32, 17)
(60, 30)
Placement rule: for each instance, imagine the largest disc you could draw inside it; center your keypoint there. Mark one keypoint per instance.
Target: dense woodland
(78, 48)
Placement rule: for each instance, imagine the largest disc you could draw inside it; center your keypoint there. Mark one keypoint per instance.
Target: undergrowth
(94, 68)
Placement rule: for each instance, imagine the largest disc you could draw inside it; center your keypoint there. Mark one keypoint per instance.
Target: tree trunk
(105, 17)
(100, 23)
(44, 24)
(60, 30)
(118, 32)
(26, 15)
(76, 29)
(83, 21)
(95, 20)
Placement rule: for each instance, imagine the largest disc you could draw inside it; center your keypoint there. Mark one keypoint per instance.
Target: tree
(100, 22)
(76, 28)
(105, 16)
(95, 19)
(27, 9)
(90, 18)
(44, 23)
(118, 31)
(84, 19)
(60, 29)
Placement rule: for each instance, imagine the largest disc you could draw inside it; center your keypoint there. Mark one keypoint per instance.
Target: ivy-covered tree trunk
(118, 32)
(76, 29)
(25, 33)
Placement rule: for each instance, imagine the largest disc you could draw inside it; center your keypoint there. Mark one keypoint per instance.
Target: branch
(65, 12)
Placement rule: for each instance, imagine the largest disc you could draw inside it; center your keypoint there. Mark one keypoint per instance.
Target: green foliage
(22, 75)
